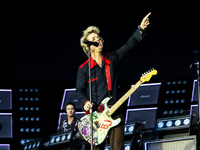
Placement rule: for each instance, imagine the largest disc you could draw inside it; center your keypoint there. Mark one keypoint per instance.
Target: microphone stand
(198, 88)
(90, 95)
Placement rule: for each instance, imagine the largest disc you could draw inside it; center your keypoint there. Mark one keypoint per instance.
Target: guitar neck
(123, 98)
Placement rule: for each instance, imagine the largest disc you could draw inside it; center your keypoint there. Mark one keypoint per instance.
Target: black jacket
(98, 75)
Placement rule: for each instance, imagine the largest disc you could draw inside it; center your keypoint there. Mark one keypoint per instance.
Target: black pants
(116, 135)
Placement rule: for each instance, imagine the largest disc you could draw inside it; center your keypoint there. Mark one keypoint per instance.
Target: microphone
(89, 43)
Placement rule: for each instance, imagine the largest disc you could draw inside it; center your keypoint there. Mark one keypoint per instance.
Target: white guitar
(102, 121)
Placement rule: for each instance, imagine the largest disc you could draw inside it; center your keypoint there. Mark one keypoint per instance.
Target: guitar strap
(108, 77)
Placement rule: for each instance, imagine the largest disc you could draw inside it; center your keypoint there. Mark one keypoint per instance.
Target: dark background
(47, 47)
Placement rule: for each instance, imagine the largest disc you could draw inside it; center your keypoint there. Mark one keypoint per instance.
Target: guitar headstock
(147, 75)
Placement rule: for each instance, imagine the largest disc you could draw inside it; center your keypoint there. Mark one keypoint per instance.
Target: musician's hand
(145, 21)
(88, 105)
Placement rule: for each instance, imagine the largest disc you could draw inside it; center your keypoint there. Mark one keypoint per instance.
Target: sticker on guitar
(106, 124)
(101, 108)
(85, 130)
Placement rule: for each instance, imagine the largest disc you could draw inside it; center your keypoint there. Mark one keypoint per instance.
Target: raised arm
(133, 40)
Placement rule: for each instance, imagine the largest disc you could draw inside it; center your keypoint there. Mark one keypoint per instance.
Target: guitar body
(102, 123)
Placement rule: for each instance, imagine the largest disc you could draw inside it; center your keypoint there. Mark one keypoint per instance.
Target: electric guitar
(102, 120)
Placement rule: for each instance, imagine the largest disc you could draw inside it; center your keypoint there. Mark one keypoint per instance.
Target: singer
(104, 77)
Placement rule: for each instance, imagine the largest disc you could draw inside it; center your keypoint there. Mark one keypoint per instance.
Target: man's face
(93, 37)
(70, 110)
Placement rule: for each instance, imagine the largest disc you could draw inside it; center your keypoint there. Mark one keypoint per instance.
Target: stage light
(63, 137)
(177, 122)
(52, 140)
(38, 129)
(22, 130)
(38, 119)
(173, 91)
(183, 101)
(22, 142)
(33, 130)
(176, 111)
(177, 101)
(60, 138)
(179, 82)
(169, 83)
(166, 102)
(160, 124)
(127, 147)
(165, 112)
(181, 111)
(128, 129)
(27, 129)
(32, 145)
(175, 97)
(169, 123)
(172, 123)
(21, 118)
(167, 92)
(172, 101)
(186, 121)
(29, 112)
(171, 112)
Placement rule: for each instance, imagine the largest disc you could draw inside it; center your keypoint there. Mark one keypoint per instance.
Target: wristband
(140, 29)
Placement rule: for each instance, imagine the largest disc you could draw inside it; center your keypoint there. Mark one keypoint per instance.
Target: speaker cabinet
(70, 96)
(5, 99)
(5, 125)
(178, 143)
(4, 146)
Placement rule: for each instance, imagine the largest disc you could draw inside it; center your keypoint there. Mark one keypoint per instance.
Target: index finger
(147, 15)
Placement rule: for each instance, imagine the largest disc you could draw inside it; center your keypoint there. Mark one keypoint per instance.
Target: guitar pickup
(97, 125)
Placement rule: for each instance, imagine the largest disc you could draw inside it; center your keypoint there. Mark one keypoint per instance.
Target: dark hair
(70, 103)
